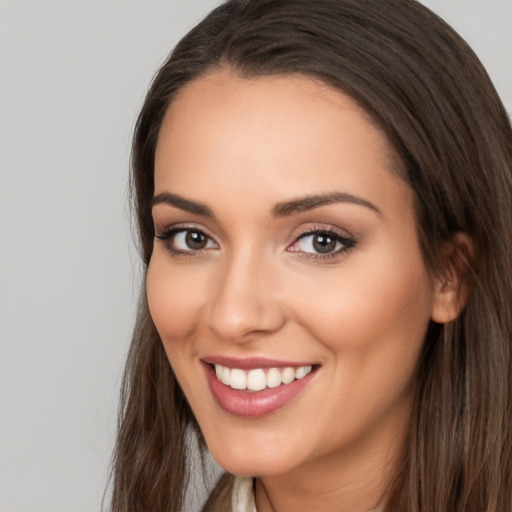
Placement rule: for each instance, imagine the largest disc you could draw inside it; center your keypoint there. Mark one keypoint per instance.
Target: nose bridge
(245, 301)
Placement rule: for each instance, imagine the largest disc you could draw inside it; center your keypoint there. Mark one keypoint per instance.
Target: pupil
(196, 240)
(324, 243)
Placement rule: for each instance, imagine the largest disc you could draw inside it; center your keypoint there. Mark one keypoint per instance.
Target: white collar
(242, 498)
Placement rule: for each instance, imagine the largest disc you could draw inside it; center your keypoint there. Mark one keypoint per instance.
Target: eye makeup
(321, 244)
(186, 241)
(318, 243)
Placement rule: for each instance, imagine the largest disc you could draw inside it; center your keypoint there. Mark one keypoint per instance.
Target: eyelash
(347, 244)
(168, 235)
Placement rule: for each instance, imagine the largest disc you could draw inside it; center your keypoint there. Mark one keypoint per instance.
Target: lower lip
(252, 404)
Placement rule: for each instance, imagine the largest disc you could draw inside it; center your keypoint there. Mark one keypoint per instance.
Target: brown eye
(196, 240)
(323, 243)
(319, 243)
(183, 240)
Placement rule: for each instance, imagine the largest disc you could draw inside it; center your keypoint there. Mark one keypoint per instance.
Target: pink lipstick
(256, 386)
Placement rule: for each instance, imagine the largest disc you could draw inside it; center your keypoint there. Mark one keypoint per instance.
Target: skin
(240, 147)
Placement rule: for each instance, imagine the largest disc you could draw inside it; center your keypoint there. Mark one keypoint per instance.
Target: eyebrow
(282, 209)
(307, 203)
(182, 203)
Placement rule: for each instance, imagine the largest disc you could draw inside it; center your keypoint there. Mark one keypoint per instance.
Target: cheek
(174, 298)
(371, 323)
(361, 307)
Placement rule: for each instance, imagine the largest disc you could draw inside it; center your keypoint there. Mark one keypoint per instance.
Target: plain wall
(72, 77)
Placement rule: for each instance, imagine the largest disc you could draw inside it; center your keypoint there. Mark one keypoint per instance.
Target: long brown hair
(428, 92)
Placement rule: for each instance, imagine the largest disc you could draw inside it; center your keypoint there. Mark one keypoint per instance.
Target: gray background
(72, 77)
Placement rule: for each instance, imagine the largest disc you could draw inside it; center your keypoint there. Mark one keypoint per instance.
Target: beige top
(235, 494)
(242, 497)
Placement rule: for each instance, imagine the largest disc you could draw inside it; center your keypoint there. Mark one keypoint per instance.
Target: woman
(323, 192)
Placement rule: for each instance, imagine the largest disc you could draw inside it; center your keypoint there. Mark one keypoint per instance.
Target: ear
(452, 285)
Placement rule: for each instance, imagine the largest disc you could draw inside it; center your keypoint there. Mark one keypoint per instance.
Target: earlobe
(452, 286)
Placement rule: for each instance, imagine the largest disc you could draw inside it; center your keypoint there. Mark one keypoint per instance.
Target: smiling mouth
(258, 379)
(255, 387)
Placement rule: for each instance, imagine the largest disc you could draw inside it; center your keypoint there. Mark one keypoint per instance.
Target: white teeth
(302, 371)
(288, 375)
(226, 375)
(258, 379)
(273, 378)
(238, 379)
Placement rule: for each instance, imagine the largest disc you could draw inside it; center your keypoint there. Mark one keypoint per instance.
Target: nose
(245, 302)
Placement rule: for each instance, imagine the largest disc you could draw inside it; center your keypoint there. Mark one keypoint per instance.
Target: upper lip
(251, 363)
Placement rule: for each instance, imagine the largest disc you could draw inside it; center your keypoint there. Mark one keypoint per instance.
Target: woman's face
(286, 260)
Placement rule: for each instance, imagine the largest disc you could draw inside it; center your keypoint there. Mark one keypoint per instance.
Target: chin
(251, 459)
(251, 467)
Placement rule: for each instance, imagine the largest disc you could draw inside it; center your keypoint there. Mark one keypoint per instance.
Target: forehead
(270, 133)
